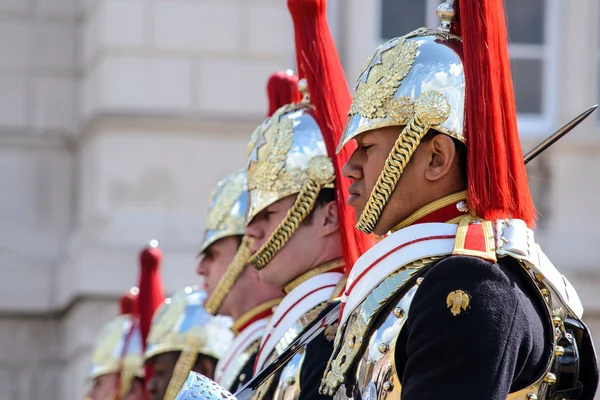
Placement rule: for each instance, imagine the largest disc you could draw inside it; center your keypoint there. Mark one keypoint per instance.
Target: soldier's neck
(447, 209)
(333, 265)
(248, 313)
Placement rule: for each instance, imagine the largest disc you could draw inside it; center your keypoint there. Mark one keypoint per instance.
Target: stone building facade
(118, 116)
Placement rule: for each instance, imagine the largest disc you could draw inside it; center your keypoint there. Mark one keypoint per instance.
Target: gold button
(419, 281)
(290, 381)
(556, 320)
(559, 351)
(384, 348)
(550, 378)
(398, 312)
(388, 386)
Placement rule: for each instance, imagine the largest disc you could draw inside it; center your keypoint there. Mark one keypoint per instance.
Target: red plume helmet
(318, 62)
(128, 302)
(282, 89)
(496, 176)
(151, 293)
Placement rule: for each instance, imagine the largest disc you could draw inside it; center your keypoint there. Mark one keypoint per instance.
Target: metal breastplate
(374, 374)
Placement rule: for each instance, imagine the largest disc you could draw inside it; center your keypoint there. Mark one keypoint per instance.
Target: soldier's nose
(253, 231)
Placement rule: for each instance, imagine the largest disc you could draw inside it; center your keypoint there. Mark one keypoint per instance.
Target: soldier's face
(365, 166)
(163, 366)
(215, 260)
(103, 386)
(297, 254)
(137, 390)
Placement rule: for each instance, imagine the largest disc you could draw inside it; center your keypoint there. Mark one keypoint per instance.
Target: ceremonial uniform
(226, 217)
(181, 324)
(118, 350)
(458, 301)
(291, 137)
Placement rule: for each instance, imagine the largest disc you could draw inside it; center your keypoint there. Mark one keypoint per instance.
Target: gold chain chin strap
(232, 273)
(183, 367)
(431, 109)
(403, 149)
(297, 213)
(126, 383)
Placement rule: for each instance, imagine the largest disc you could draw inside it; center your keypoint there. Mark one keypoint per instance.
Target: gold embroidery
(383, 77)
(321, 269)
(457, 301)
(461, 236)
(270, 174)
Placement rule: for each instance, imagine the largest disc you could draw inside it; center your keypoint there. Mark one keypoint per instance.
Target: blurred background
(118, 116)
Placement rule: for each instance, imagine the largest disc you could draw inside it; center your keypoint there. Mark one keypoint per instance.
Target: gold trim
(321, 269)
(431, 207)
(339, 288)
(247, 316)
(461, 235)
(231, 275)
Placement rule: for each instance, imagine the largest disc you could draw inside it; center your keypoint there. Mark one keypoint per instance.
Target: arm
(475, 354)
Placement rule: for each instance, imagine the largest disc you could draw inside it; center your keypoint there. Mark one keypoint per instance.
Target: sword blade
(549, 141)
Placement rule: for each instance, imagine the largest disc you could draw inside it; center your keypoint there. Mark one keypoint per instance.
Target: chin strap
(231, 275)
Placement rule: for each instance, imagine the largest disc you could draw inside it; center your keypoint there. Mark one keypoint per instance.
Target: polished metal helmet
(226, 210)
(226, 217)
(415, 81)
(287, 156)
(182, 324)
(119, 350)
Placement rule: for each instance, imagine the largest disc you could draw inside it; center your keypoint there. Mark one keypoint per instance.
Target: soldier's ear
(329, 217)
(442, 153)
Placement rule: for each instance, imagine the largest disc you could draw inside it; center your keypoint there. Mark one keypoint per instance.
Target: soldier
(232, 284)
(117, 357)
(294, 218)
(184, 338)
(458, 301)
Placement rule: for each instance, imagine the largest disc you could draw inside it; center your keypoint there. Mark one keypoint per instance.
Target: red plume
(496, 175)
(151, 292)
(318, 62)
(128, 302)
(282, 89)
